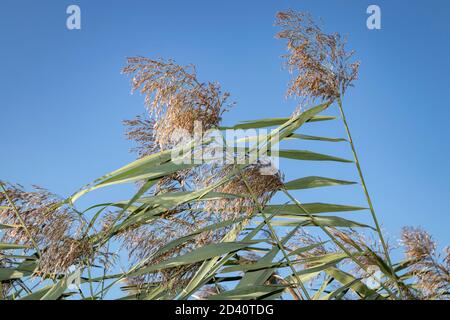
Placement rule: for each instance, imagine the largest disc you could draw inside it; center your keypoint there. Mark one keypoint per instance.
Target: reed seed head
(250, 181)
(432, 272)
(320, 62)
(47, 221)
(175, 99)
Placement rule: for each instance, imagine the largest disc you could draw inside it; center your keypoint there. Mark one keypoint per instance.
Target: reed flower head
(367, 248)
(320, 62)
(418, 243)
(432, 272)
(41, 211)
(149, 242)
(249, 183)
(48, 222)
(207, 291)
(59, 256)
(140, 131)
(175, 99)
(304, 239)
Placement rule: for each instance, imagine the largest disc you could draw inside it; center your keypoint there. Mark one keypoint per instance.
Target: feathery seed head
(262, 186)
(432, 273)
(418, 243)
(174, 98)
(48, 222)
(320, 61)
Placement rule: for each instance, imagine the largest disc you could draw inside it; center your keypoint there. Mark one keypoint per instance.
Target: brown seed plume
(262, 186)
(320, 63)
(175, 99)
(49, 223)
(432, 272)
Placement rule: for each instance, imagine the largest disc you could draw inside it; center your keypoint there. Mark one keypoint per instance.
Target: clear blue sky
(62, 97)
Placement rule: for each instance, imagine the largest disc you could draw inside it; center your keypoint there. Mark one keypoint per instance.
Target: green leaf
(289, 127)
(271, 122)
(11, 274)
(7, 226)
(249, 293)
(340, 292)
(325, 283)
(171, 199)
(307, 248)
(326, 221)
(149, 172)
(357, 286)
(312, 208)
(266, 268)
(12, 246)
(309, 156)
(160, 204)
(209, 268)
(150, 167)
(289, 154)
(37, 295)
(315, 138)
(321, 118)
(57, 290)
(184, 239)
(314, 182)
(260, 276)
(323, 262)
(197, 255)
(256, 124)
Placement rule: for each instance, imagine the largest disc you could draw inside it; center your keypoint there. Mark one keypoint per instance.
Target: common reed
(176, 100)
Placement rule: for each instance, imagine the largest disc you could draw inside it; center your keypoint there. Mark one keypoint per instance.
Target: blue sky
(62, 97)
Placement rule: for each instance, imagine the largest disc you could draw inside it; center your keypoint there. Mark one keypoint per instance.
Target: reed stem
(366, 193)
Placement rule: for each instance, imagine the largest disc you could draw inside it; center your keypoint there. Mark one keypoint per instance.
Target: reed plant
(214, 230)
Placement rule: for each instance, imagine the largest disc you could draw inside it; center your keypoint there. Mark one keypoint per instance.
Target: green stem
(366, 192)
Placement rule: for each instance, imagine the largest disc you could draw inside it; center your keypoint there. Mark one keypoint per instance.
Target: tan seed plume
(321, 65)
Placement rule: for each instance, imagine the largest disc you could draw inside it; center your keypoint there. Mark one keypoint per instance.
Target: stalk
(366, 193)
